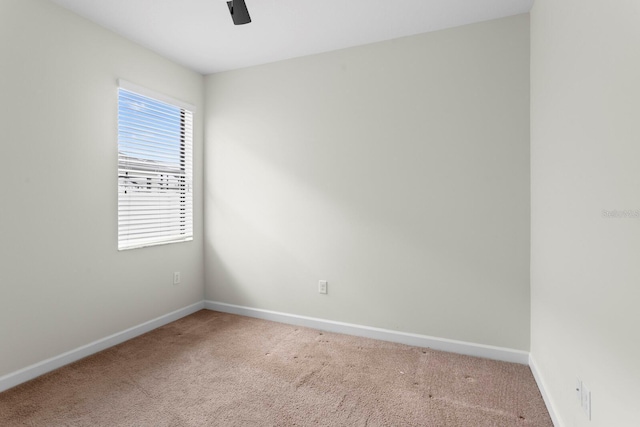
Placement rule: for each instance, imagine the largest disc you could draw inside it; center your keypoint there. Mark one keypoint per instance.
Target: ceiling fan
(239, 12)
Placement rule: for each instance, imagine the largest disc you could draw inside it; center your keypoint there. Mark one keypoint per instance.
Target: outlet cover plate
(586, 401)
(322, 286)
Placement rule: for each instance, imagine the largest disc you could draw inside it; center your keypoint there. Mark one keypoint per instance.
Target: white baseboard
(30, 372)
(453, 346)
(543, 391)
(479, 350)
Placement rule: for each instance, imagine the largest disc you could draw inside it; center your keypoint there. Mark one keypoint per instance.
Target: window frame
(170, 230)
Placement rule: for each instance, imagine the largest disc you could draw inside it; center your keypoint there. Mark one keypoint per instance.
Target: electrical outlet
(579, 390)
(584, 397)
(322, 286)
(586, 401)
(176, 277)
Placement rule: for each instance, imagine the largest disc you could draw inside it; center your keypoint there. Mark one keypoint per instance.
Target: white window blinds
(155, 156)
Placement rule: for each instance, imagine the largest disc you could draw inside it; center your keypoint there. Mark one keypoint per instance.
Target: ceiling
(200, 35)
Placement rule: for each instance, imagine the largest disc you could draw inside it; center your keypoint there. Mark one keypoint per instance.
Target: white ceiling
(200, 35)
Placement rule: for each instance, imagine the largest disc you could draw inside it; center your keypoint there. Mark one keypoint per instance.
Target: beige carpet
(215, 369)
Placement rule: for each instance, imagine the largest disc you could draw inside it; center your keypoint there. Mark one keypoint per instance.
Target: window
(155, 156)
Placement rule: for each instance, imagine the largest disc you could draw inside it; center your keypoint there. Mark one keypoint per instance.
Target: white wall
(63, 282)
(397, 171)
(585, 147)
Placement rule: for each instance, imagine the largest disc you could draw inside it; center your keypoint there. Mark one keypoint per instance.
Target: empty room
(320, 213)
